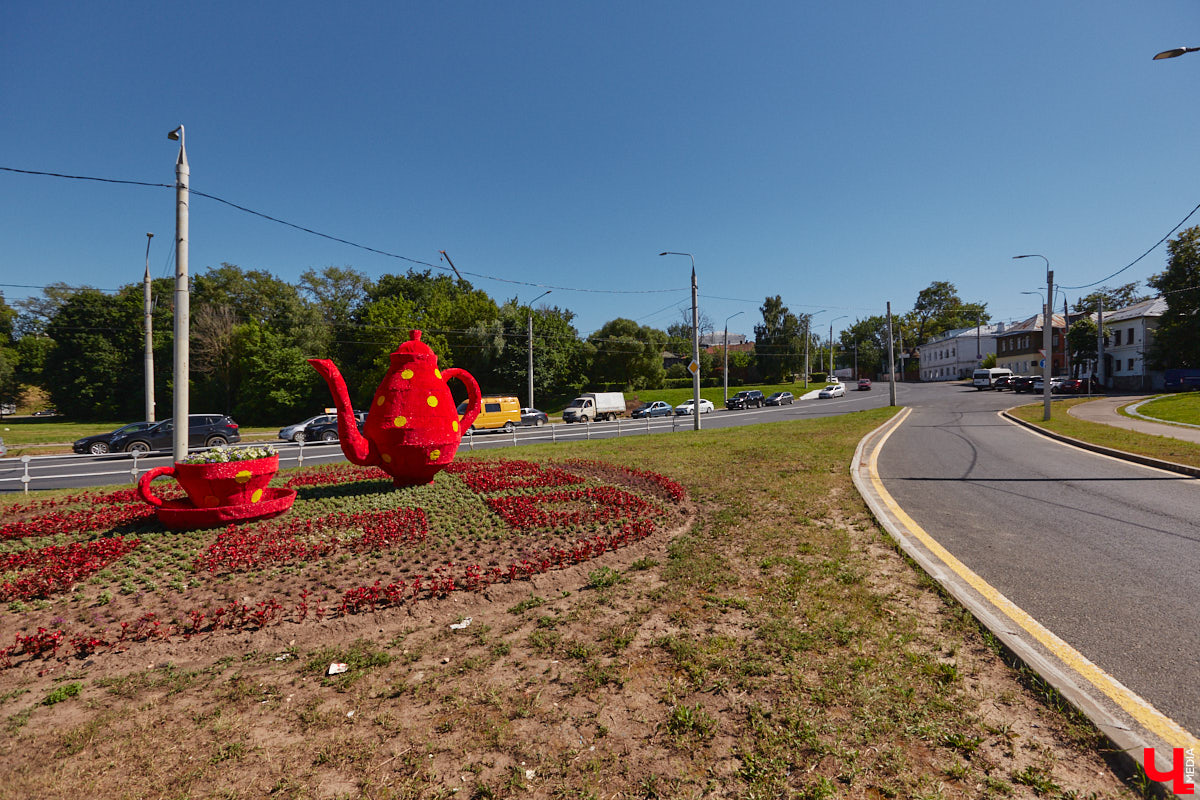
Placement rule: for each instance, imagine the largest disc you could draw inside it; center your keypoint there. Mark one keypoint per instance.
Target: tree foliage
(779, 340)
(1177, 339)
(939, 309)
(627, 353)
(1124, 295)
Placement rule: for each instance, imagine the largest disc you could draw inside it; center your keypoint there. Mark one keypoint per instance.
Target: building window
(1129, 336)
(1116, 338)
(1131, 365)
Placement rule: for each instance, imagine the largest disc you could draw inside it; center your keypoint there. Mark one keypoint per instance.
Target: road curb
(1147, 461)
(1126, 735)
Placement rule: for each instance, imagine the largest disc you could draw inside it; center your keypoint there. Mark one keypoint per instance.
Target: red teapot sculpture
(413, 428)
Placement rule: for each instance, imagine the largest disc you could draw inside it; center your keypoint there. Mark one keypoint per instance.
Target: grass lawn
(1163, 447)
(769, 641)
(1184, 407)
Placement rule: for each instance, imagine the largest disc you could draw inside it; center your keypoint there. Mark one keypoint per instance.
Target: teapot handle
(143, 488)
(473, 395)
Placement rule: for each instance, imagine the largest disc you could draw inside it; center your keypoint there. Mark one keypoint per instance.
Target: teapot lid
(413, 350)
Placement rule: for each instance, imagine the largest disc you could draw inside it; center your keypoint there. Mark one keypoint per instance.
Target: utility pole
(148, 356)
(179, 438)
(1066, 344)
(1048, 345)
(695, 353)
(891, 359)
(1100, 342)
(539, 297)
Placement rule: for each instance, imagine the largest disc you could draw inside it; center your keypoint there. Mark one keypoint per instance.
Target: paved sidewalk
(1104, 411)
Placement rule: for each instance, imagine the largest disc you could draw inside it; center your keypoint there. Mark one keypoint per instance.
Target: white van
(986, 378)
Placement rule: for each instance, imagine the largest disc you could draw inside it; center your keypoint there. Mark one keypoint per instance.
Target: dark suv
(746, 399)
(204, 430)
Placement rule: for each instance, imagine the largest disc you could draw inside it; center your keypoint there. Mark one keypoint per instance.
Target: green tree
(9, 356)
(275, 378)
(1124, 295)
(779, 340)
(1081, 341)
(1177, 339)
(94, 369)
(504, 343)
(627, 353)
(870, 335)
(939, 309)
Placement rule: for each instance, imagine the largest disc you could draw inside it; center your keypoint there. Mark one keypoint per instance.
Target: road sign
(694, 367)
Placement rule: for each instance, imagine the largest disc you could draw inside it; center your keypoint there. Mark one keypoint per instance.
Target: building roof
(961, 333)
(1032, 324)
(1154, 307)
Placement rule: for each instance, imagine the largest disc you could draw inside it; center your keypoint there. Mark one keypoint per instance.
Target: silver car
(295, 433)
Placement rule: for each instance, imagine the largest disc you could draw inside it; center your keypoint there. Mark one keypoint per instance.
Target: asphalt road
(1104, 553)
(82, 471)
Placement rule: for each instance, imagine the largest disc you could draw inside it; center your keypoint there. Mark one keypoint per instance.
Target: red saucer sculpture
(218, 493)
(413, 428)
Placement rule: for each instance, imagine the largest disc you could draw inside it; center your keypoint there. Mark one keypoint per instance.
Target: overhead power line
(338, 239)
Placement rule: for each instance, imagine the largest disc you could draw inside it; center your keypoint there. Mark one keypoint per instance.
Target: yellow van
(497, 412)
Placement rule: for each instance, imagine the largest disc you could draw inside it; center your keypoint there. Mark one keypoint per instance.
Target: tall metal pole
(179, 439)
(891, 359)
(1047, 343)
(695, 342)
(539, 297)
(148, 356)
(1100, 343)
(1066, 328)
(725, 371)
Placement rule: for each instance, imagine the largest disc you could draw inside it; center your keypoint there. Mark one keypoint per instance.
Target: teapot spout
(357, 448)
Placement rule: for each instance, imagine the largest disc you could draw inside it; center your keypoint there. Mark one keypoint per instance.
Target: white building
(1130, 334)
(958, 353)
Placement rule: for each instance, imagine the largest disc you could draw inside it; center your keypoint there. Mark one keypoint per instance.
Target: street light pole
(835, 319)
(1047, 334)
(531, 302)
(148, 356)
(891, 359)
(179, 436)
(695, 343)
(807, 338)
(725, 371)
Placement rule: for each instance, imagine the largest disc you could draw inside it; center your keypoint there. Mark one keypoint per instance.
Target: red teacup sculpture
(218, 493)
(413, 428)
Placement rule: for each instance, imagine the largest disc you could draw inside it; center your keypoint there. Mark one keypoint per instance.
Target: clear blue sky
(838, 154)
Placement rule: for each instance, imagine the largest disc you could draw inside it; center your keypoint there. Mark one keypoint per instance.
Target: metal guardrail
(29, 465)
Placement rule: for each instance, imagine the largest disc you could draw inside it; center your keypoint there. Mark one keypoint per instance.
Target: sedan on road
(531, 416)
(686, 407)
(656, 409)
(832, 390)
(100, 443)
(295, 433)
(204, 430)
(781, 399)
(327, 431)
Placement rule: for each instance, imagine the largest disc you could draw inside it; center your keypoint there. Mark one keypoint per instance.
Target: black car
(751, 397)
(531, 416)
(1003, 382)
(100, 443)
(781, 399)
(1023, 383)
(327, 431)
(204, 430)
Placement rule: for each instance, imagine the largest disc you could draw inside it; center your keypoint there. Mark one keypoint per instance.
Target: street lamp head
(176, 135)
(1175, 53)
(149, 235)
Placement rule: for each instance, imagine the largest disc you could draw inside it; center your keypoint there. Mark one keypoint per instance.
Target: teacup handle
(474, 397)
(144, 485)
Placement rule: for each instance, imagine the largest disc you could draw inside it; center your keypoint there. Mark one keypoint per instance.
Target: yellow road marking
(1151, 718)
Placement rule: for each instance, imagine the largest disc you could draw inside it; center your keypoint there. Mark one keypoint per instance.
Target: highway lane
(1103, 552)
(81, 471)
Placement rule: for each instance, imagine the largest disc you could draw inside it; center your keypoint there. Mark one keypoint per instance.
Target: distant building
(1130, 334)
(1019, 346)
(718, 339)
(956, 354)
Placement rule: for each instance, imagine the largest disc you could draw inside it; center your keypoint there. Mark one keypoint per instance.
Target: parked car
(1039, 384)
(781, 399)
(750, 397)
(686, 407)
(832, 390)
(1074, 386)
(101, 442)
(1022, 383)
(46, 412)
(327, 431)
(295, 433)
(531, 416)
(656, 409)
(204, 430)
(864, 384)
(1004, 382)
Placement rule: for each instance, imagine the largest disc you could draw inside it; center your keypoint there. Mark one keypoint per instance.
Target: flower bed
(76, 583)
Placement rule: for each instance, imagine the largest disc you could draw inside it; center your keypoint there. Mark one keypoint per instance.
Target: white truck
(595, 406)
